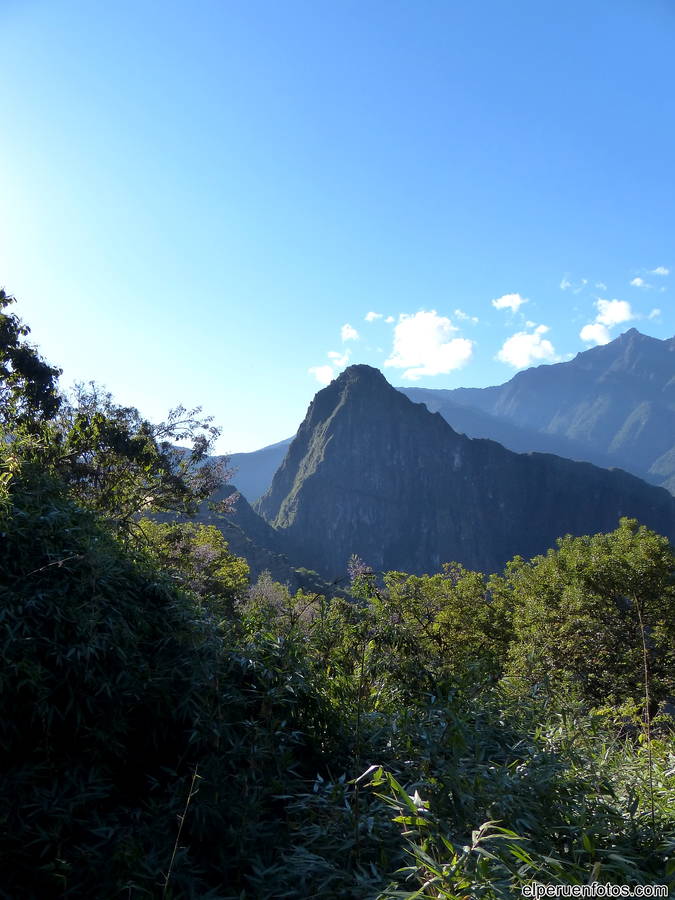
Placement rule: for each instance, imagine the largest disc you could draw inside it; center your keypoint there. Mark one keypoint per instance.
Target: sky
(226, 203)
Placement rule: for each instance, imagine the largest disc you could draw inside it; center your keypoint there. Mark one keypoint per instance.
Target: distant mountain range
(612, 405)
(372, 473)
(379, 472)
(253, 472)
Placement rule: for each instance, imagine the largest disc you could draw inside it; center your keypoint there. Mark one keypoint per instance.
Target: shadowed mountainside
(253, 472)
(372, 473)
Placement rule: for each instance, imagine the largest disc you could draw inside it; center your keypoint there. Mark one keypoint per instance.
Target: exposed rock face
(611, 405)
(372, 473)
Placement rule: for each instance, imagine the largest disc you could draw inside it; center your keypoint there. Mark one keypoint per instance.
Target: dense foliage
(169, 730)
(28, 385)
(120, 465)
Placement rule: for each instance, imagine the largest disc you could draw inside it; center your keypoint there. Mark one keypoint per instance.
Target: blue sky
(199, 197)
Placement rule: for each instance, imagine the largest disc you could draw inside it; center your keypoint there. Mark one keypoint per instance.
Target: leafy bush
(116, 689)
(531, 791)
(596, 616)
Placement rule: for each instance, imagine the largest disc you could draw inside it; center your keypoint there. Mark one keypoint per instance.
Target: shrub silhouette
(115, 688)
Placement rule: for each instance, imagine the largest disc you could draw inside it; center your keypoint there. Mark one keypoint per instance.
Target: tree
(457, 618)
(123, 466)
(112, 459)
(593, 611)
(199, 558)
(28, 385)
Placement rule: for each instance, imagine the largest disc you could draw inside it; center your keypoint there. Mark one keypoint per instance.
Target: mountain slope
(248, 535)
(253, 471)
(612, 405)
(476, 423)
(372, 473)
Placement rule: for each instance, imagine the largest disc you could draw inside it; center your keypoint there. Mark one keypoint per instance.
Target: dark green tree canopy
(112, 459)
(580, 610)
(28, 385)
(123, 466)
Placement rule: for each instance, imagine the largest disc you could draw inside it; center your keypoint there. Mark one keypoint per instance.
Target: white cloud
(423, 345)
(524, 348)
(601, 286)
(509, 301)
(465, 317)
(566, 284)
(610, 313)
(339, 360)
(638, 282)
(595, 334)
(347, 333)
(654, 314)
(373, 316)
(660, 270)
(389, 320)
(613, 312)
(323, 374)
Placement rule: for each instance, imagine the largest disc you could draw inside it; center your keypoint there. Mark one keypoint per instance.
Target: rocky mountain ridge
(372, 473)
(610, 405)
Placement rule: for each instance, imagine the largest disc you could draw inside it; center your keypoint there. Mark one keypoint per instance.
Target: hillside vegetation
(171, 728)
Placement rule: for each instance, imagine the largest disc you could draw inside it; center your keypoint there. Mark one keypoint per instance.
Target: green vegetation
(169, 730)
(121, 466)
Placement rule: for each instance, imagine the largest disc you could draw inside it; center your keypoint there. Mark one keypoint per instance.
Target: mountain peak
(357, 381)
(372, 473)
(632, 334)
(360, 370)
(615, 403)
(361, 374)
